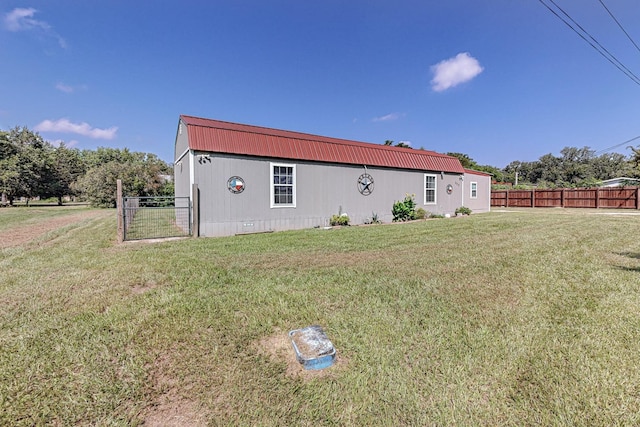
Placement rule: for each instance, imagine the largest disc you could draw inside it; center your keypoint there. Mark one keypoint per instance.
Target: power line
(619, 24)
(602, 50)
(616, 146)
(597, 46)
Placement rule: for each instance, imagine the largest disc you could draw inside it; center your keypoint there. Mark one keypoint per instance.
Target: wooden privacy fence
(616, 198)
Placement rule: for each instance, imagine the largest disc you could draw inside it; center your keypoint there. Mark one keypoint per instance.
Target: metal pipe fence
(156, 217)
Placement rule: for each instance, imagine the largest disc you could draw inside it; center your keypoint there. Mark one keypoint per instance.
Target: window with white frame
(283, 185)
(474, 190)
(430, 189)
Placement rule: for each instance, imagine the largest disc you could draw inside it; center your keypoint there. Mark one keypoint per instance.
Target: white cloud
(21, 19)
(65, 126)
(388, 117)
(65, 88)
(453, 71)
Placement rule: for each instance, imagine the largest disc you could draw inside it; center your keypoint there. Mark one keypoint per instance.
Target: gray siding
(322, 190)
(482, 203)
(181, 176)
(182, 141)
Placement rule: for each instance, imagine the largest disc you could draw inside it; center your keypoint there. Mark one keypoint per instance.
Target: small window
(474, 190)
(430, 189)
(283, 185)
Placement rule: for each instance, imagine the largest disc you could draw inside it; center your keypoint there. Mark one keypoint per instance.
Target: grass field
(508, 318)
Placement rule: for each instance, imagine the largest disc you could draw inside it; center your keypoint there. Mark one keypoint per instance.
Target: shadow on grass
(632, 255)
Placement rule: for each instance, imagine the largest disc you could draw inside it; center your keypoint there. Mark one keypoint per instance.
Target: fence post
(195, 227)
(597, 198)
(637, 197)
(533, 198)
(120, 210)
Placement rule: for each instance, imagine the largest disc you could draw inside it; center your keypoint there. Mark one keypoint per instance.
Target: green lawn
(508, 318)
(151, 223)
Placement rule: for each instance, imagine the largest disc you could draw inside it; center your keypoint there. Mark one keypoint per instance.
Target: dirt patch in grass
(279, 349)
(171, 408)
(174, 411)
(21, 235)
(142, 288)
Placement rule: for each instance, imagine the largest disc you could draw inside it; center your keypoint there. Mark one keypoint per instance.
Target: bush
(405, 210)
(421, 214)
(463, 211)
(342, 219)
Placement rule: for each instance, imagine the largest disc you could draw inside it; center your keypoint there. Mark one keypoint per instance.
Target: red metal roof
(475, 172)
(233, 138)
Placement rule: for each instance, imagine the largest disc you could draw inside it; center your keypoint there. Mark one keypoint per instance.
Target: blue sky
(498, 80)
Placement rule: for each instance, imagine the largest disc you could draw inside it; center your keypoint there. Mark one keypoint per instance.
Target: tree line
(574, 168)
(31, 167)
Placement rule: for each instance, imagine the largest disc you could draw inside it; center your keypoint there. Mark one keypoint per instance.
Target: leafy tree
(389, 143)
(142, 175)
(24, 164)
(467, 162)
(576, 167)
(612, 165)
(497, 174)
(32, 167)
(65, 167)
(8, 166)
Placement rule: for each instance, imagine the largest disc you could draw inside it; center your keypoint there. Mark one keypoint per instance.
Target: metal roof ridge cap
(263, 130)
(311, 137)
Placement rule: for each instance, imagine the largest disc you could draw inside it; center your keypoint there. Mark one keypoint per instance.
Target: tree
(65, 167)
(497, 174)
(612, 165)
(467, 162)
(142, 174)
(402, 144)
(576, 167)
(8, 166)
(24, 163)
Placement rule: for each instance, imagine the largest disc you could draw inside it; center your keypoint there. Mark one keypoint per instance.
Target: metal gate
(156, 217)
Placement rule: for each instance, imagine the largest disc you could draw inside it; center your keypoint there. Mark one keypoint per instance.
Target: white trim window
(474, 190)
(283, 185)
(430, 189)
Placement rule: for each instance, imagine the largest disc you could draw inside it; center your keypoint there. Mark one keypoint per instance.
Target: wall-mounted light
(441, 175)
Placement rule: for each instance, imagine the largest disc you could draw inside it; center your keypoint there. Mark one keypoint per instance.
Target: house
(620, 182)
(255, 179)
